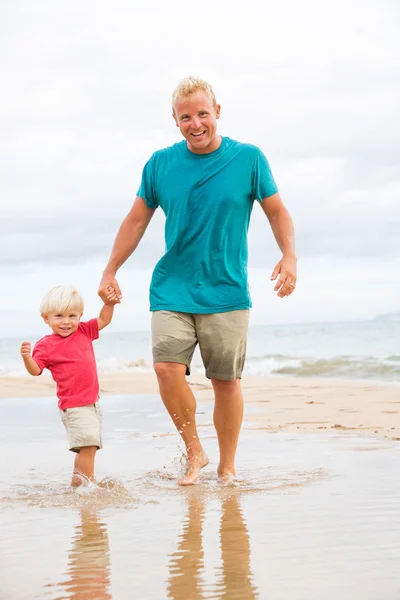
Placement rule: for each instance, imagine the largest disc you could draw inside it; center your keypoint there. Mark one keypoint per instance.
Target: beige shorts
(221, 337)
(83, 425)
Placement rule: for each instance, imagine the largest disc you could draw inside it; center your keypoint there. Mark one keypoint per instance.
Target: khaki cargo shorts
(83, 425)
(221, 337)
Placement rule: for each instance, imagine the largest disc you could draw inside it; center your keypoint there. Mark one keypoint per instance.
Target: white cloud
(86, 100)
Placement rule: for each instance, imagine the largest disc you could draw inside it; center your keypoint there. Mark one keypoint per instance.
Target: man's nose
(196, 123)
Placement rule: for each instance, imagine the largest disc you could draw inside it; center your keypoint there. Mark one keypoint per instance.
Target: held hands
(287, 271)
(112, 297)
(109, 290)
(25, 350)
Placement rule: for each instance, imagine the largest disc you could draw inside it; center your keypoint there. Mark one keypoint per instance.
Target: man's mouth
(198, 135)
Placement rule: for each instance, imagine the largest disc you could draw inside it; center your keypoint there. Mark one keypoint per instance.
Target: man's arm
(128, 237)
(283, 230)
(30, 364)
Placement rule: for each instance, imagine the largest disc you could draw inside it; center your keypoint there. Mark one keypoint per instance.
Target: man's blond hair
(189, 86)
(61, 299)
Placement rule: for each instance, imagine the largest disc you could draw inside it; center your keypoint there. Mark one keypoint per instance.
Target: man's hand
(109, 290)
(112, 297)
(25, 350)
(287, 271)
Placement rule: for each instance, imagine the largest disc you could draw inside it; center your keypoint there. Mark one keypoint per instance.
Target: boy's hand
(108, 283)
(112, 297)
(25, 350)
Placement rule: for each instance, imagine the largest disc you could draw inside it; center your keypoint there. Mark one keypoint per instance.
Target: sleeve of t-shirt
(263, 182)
(90, 328)
(40, 355)
(147, 189)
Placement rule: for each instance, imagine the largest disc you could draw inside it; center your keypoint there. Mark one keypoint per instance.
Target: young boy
(69, 356)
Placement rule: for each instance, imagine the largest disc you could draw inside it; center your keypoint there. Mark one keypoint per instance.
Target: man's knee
(226, 387)
(87, 451)
(168, 373)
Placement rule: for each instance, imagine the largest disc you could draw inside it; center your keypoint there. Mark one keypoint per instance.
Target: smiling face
(196, 116)
(63, 323)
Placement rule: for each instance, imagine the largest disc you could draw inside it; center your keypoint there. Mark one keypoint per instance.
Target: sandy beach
(311, 514)
(277, 404)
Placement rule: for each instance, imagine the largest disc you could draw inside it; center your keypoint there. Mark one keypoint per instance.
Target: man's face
(196, 116)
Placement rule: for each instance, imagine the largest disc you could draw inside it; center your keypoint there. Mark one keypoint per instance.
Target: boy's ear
(45, 319)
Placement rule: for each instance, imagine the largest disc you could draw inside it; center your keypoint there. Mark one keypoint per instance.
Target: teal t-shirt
(207, 200)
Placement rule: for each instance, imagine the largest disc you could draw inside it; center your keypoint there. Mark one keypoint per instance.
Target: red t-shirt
(72, 363)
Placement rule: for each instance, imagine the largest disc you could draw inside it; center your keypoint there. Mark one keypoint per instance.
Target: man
(206, 186)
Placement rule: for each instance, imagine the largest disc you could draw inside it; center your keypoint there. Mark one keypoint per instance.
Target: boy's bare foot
(193, 467)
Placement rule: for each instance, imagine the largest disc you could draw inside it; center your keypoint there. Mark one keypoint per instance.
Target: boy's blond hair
(189, 86)
(60, 299)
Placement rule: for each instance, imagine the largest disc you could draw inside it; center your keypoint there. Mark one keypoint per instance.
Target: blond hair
(60, 299)
(189, 86)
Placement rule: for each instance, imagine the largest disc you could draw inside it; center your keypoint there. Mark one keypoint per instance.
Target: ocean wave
(344, 367)
(113, 364)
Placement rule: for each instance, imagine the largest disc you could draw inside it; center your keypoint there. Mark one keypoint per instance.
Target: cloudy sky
(85, 100)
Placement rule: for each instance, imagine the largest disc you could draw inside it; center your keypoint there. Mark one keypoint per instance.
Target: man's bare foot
(226, 477)
(193, 467)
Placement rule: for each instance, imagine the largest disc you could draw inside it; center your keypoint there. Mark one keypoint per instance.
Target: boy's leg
(83, 425)
(84, 465)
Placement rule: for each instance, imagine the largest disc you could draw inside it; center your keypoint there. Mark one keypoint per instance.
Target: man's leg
(222, 339)
(180, 403)
(84, 465)
(228, 417)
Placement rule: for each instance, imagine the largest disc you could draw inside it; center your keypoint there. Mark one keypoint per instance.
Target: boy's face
(63, 324)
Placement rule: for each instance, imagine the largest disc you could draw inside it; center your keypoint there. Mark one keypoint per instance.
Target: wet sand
(288, 404)
(310, 516)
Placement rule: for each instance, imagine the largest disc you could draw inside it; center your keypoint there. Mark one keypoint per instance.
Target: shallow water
(310, 516)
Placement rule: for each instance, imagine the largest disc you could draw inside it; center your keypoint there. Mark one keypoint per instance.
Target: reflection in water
(236, 577)
(89, 561)
(186, 564)
(187, 561)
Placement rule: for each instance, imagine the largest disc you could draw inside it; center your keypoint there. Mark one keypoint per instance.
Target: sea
(346, 349)
(308, 516)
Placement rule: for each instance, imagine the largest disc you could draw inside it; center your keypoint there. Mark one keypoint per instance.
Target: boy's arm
(106, 313)
(105, 316)
(30, 364)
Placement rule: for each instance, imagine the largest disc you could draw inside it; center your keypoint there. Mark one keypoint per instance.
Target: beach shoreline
(276, 403)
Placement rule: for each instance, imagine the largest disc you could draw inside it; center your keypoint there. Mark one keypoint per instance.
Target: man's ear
(217, 111)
